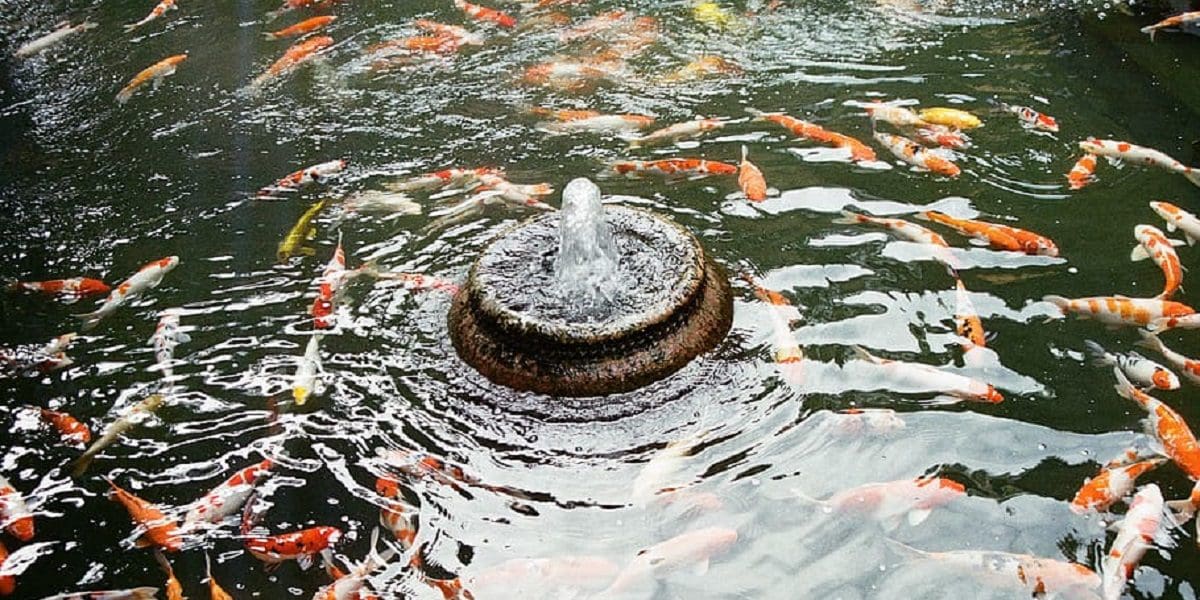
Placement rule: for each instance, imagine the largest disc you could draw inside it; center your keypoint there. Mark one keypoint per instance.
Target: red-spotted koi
(858, 150)
(1185, 322)
(676, 132)
(1139, 530)
(520, 193)
(1001, 237)
(1031, 118)
(159, 10)
(227, 498)
(577, 121)
(395, 513)
(1139, 155)
(442, 179)
(1178, 21)
(460, 35)
(294, 56)
(174, 588)
(674, 167)
(134, 416)
(957, 387)
(889, 502)
(1119, 310)
(160, 530)
(1083, 172)
(316, 174)
(1037, 576)
(940, 135)
(1140, 370)
(302, 28)
(1180, 219)
(693, 548)
(898, 116)
(76, 287)
(65, 30)
(155, 73)
(1110, 486)
(139, 593)
(147, 278)
(352, 585)
(72, 431)
(304, 384)
(329, 286)
(166, 337)
(420, 465)
(1189, 367)
(968, 325)
(904, 230)
(917, 155)
(876, 421)
(1165, 425)
(751, 180)
(14, 513)
(301, 546)
(1153, 244)
(483, 13)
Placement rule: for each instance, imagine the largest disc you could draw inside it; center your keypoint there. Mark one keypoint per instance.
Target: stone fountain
(589, 301)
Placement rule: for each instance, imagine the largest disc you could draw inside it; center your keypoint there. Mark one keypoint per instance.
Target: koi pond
(898, 411)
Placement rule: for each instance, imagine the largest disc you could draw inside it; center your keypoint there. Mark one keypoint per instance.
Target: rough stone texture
(503, 322)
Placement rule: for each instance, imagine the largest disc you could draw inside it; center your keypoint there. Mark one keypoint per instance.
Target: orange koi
(1133, 153)
(751, 179)
(174, 588)
(1119, 310)
(159, 10)
(1001, 237)
(154, 73)
(14, 512)
(784, 346)
(858, 150)
(570, 75)
(161, 530)
(967, 322)
(301, 546)
(674, 167)
(301, 28)
(1153, 244)
(294, 56)
(702, 67)
(904, 230)
(440, 179)
(1176, 21)
(71, 430)
(76, 287)
(917, 155)
(573, 121)
(1037, 576)
(483, 13)
(1083, 173)
(1110, 486)
(1167, 426)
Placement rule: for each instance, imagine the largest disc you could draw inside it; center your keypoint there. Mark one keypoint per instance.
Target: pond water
(90, 187)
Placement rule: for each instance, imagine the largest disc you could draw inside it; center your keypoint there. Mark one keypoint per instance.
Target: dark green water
(89, 187)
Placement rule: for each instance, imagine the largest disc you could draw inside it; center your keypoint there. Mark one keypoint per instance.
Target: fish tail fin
(925, 215)
(1193, 175)
(164, 563)
(1059, 301)
(81, 464)
(144, 593)
(849, 217)
(86, 25)
(1150, 340)
(1100, 356)
(269, 36)
(745, 153)
(129, 27)
(124, 95)
(905, 550)
(89, 320)
(1150, 29)
(1123, 386)
(758, 114)
(862, 354)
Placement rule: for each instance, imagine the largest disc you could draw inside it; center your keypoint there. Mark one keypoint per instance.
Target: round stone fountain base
(675, 305)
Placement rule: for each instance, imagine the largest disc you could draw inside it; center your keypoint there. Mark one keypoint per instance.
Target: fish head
(22, 529)
(1164, 379)
(301, 394)
(992, 395)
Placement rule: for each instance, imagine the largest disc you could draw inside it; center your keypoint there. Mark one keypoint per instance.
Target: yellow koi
(301, 232)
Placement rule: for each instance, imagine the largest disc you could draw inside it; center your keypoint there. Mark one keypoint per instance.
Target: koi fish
(166, 337)
(692, 548)
(227, 498)
(1178, 21)
(174, 588)
(600, 23)
(1001, 237)
(711, 14)
(674, 167)
(940, 135)
(1030, 117)
(577, 121)
(591, 573)
(441, 179)
(1083, 173)
(889, 502)
(161, 530)
(1180, 219)
(420, 465)
(853, 421)
(1153, 244)
(76, 287)
(303, 27)
(380, 202)
(858, 150)
(14, 513)
(957, 387)
(653, 480)
(215, 591)
(1038, 576)
(28, 359)
(135, 415)
(303, 231)
(419, 281)
(290, 5)
(483, 13)
(1185, 322)
(950, 117)
(968, 325)
(751, 179)
(1138, 531)
(65, 30)
(301, 546)
(500, 194)
(329, 286)
(394, 515)
(571, 75)
(304, 385)
(304, 177)
(1110, 486)
(353, 585)
(459, 34)
(71, 430)
(1189, 367)
(784, 347)
(296, 55)
(917, 155)
(676, 132)
(898, 116)
(1140, 370)
(154, 74)
(1165, 425)
(1119, 310)
(702, 67)
(8, 583)
(904, 230)
(1139, 155)
(147, 278)
(140, 593)
(159, 10)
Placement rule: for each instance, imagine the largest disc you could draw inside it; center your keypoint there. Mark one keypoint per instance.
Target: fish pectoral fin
(702, 567)
(184, 338)
(942, 400)
(305, 561)
(1177, 243)
(978, 241)
(142, 542)
(1138, 253)
(917, 516)
(1191, 241)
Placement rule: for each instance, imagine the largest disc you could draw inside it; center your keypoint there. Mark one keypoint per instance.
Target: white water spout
(586, 267)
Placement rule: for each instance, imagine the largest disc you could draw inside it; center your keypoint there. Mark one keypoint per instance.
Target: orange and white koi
(294, 56)
(854, 421)
(1165, 425)
(28, 360)
(166, 337)
(674, 167)
(301, 546)
(679, 131)
(1140, 370)
(1037, 576)
(421, 465)
(784, 346)
(159, 10)
(304, 384)
(1180, 219)
(571, 75)
(917, 155)
(1110, 486)
(174, 588)
(1030, 117)
(751, 179)
(701, 67)
(65, 29)
(352, 585)
(575, 121)
(950, 117)
(895, 115)
(316, 174)
(693, 548)
(392, 204)
(154, 74)
(956, 387)
(330, 284)
(1119, 310)
(1189, 367)
(394, 515)
(302, 28)
(1083, 172)
(660, 474)
(419, 281)
(215, 591)
(889, 502)
(228, 497)
(1177, 21)
(499, 193)
(72, 431)
(1153, 244)
(483, 13)
(147, 278)
(140, 593)
(135, 415)
(1139, 155)
(160, 530)
(14, 513)
(904, 230)
(940, 135)
(460, 35)
(1141, 528)
(76, 287)
(858, 150)
(968, 325)
(441, 179)
(1001, 237)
